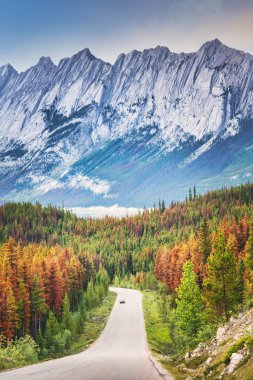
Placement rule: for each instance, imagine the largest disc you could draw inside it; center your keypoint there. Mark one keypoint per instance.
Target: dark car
(122, 301)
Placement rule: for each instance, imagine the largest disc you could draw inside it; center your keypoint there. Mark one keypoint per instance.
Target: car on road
(122, 301)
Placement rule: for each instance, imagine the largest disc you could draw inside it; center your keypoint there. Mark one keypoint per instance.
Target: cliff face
(79, 126)
(227, 356)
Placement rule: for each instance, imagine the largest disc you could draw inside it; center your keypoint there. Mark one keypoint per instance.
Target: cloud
(97, 186)
(101, 211)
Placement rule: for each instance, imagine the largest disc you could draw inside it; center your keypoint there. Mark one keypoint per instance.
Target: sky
(30, 29)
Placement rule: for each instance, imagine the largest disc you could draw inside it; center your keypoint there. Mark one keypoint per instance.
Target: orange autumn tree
(238, 237)
(34, 280)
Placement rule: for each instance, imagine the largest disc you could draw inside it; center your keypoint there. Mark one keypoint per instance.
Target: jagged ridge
(56, 115)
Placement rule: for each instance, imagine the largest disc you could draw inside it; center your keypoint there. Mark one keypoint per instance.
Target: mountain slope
(88, 132)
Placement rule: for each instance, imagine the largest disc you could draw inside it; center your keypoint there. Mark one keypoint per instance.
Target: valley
(56, 268)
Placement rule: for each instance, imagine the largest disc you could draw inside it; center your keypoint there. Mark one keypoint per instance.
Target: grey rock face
(56, 115)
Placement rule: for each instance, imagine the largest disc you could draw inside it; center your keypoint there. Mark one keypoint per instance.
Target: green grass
(158, 333)
(94, 325)
(157, 330)
(236, 346)
(246, 340)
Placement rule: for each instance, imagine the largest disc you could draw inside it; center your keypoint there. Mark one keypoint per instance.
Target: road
(120, 353)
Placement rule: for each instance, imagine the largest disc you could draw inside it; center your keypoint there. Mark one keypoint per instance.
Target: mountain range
(86, 132)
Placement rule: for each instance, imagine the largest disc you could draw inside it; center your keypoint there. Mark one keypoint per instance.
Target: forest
(197, 256)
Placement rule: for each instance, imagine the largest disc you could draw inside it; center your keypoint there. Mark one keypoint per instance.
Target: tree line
(53, 263)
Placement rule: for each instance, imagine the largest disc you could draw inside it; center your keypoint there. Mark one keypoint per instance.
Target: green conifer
(220, 287)
(205, 240)
(189, 311)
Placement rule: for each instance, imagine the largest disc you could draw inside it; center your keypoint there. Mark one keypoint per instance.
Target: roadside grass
(158, 333)
(157, 330)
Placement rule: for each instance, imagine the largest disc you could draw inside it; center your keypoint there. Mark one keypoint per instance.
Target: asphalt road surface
(120, 353)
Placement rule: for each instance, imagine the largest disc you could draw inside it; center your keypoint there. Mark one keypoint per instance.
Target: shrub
(206, 332)
(62, 341)
(77, 323)
(18, 353)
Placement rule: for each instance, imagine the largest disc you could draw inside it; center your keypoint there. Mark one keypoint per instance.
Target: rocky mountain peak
(152, 99)
(7, 70)
(45, 61)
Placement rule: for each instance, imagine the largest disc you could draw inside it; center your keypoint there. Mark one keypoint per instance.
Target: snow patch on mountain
(198, 152)
(44, 184)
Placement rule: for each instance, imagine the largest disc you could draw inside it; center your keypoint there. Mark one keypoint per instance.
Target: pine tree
(241, 282)
(23, 309)
(8, 312)
(38, 306)
(162, 206)
(194, 192)
(249, 265)
(190, 194)
(82, 311)
(189, 311)
(40, 340)
(54, 288)
(52, 329)
(249, 249)
(66, 314)
(205, 241)
(220, 287)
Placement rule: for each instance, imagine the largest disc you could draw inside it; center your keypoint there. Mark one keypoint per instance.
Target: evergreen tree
(82, 312)
(241, 282)
(8, 312)
(40, 340)
(205, 240)
(194, 192)
(66, 314)
(162, 206)
(189, 311)
(163, 301)
(249, 249)
(52, 329)
(190, 194)
(249, 265)
(38, 306)
(220, 287)
(23, 309)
